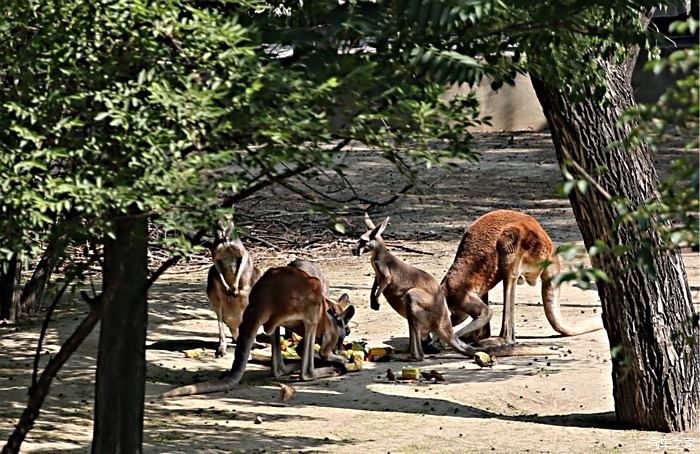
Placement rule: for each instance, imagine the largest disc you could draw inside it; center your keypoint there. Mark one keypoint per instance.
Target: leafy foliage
(674, 116)
(174, 109)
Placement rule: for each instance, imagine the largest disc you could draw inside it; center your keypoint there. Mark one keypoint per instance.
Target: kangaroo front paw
(220, 352)
(374, 305)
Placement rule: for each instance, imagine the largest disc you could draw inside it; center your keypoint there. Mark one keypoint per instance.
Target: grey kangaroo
(229, 282)
(411, 292)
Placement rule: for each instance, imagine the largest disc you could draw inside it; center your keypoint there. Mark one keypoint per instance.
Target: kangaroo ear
(379, 229)
(207, 243)
(343, 301)
(229, 228)
(368, 222)
(348, 313)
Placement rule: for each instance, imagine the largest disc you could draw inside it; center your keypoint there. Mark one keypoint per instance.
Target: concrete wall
(517, 108)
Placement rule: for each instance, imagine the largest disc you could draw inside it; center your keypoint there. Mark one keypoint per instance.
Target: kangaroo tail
(231, 379)
(518, 350)
(550, 300)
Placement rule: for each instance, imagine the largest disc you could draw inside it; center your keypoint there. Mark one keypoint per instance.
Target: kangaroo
(282, 297)
(411, 292)
(342, 306)
(229, 282)
(508, 246)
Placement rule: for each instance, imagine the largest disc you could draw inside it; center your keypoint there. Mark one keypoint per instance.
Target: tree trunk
(10, 290)
(656, 373)
(121, 360)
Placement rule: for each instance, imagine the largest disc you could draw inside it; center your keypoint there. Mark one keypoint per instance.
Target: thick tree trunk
(10, 291)
(120, 383)
(656, 373)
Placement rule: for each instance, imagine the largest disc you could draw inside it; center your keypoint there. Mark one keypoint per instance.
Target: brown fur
(503, 245)
(229, 283)
(328, 333)
(282, 297)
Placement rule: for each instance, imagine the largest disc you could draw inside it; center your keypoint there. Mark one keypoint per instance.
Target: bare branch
(44, 327)
(39, 391)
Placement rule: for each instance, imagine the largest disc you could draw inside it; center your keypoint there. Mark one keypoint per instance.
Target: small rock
(258, 420)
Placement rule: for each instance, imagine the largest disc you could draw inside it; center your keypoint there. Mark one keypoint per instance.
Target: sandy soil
(558, 404)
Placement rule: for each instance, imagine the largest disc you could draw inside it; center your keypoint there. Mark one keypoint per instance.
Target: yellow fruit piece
(296, 338)
(353, 367)
(357, 356)
(290, 354)
(191, 353)
(482, 359)
(410, 373)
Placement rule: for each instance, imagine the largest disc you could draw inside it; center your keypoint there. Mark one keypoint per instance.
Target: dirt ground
(558, 404)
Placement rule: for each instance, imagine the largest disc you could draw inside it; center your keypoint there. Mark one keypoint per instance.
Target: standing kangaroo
(506, 246)
(411, 292)
(282, 297)
(229, 283)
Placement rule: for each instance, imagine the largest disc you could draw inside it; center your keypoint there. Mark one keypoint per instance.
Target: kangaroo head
(223, 228)
(226, 247)
(372, 238)
(341, 313)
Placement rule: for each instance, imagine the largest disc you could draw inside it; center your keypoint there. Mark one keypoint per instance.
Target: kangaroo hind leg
(279, 368)
(415, 316)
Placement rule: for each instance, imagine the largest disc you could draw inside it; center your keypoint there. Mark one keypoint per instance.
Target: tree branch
(39, 391)
(276, 178)
(44, 327)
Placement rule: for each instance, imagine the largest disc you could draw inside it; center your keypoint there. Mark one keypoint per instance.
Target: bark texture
(10, 291)
(656, 374)
(121, 360)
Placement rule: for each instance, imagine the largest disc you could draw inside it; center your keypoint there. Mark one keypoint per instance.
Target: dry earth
(558, 404)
